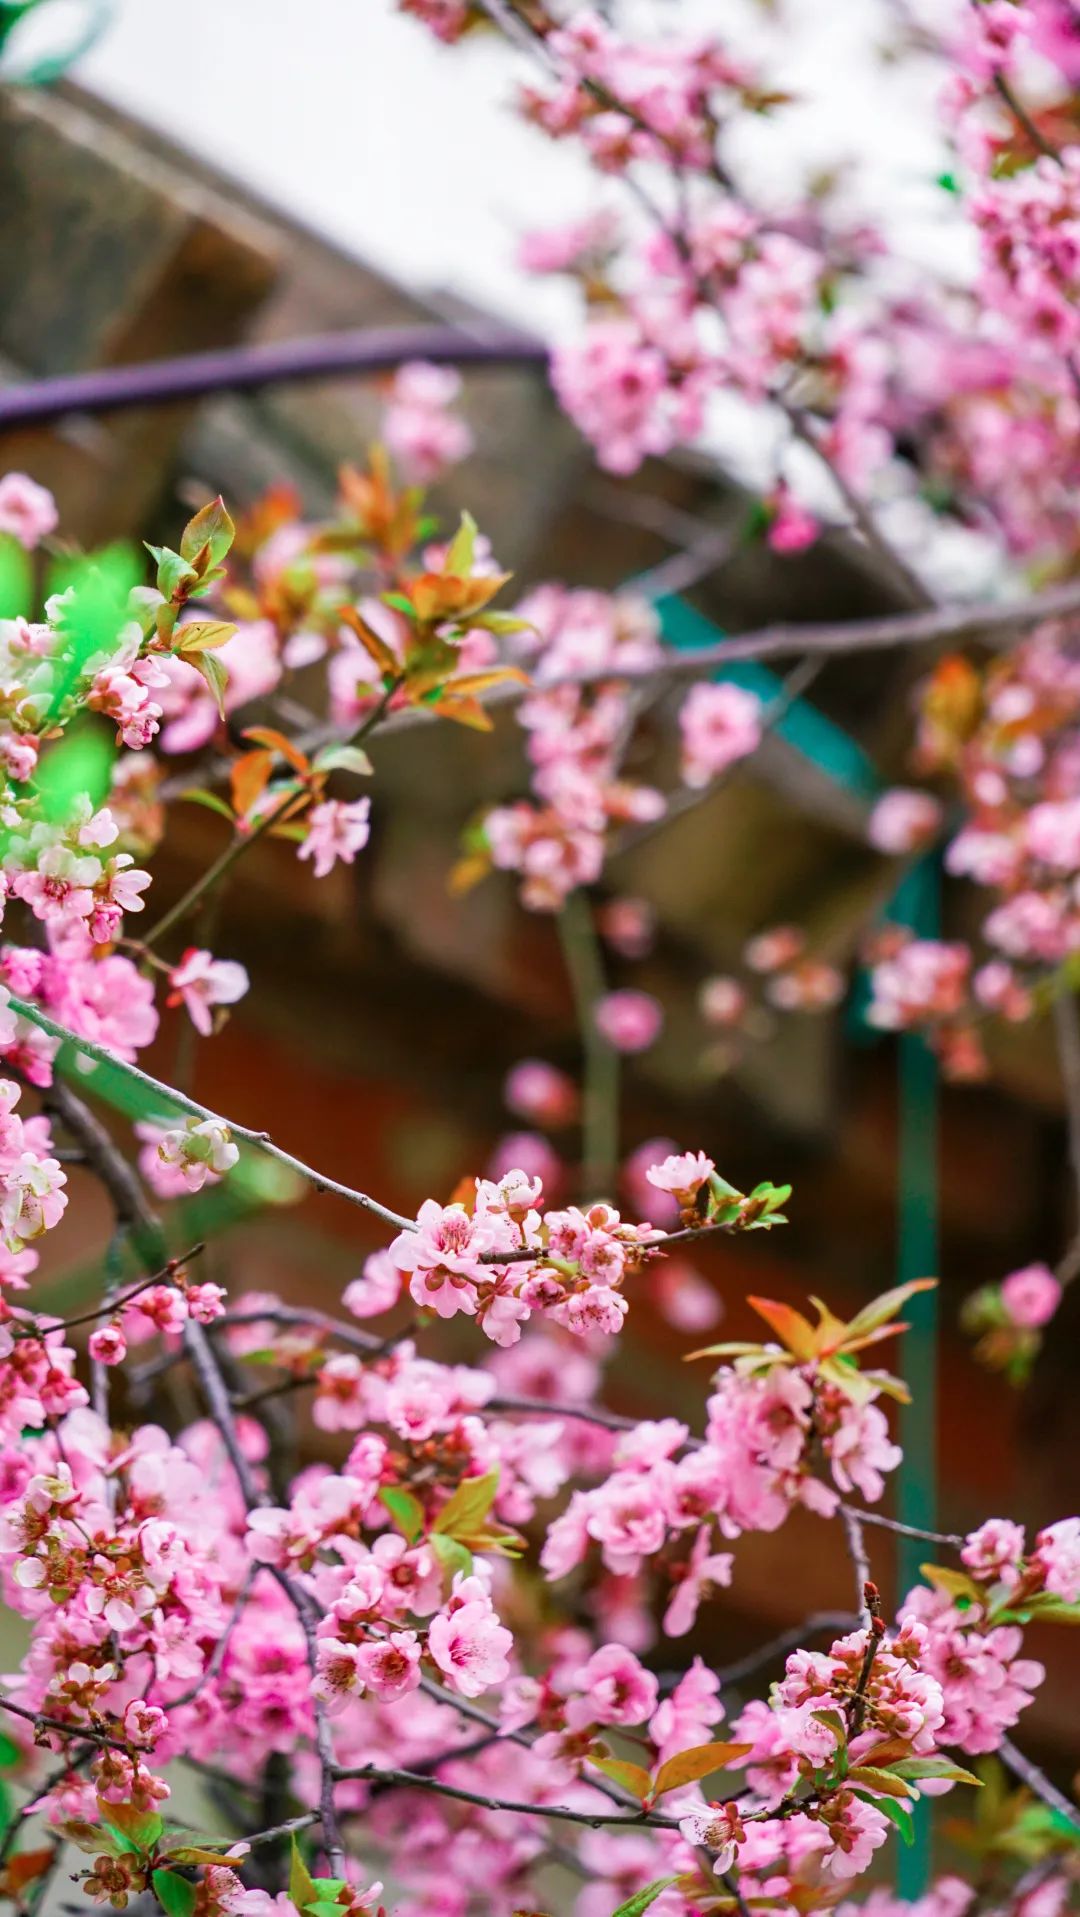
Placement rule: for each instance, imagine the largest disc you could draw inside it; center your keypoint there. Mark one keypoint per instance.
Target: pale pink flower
(614, 1688)
(336, 830)
(630, 1021)
(682, 1175)
(27, 510)
(541, 1092)
(377, 1288)
(390, 1666)
(202, 982)
(903, 821)
(107, 1345)
(1031, 1296)
(1057, 1554)
(720, 724)
(703, 1572)
(471, 1647)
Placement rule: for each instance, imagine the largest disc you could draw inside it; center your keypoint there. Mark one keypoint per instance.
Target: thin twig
(595, 1820)
(171, 1096)
(860, 1563)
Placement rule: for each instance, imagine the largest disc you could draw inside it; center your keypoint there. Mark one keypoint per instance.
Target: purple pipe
(234, 369)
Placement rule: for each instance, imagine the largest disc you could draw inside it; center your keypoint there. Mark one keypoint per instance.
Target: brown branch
(420, 1780)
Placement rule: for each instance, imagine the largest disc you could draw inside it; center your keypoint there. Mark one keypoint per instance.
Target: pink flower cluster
(576, 736)
(504, 1260)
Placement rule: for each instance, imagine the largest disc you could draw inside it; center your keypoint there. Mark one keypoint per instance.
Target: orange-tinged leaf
(277, 742)
(25, 1868)
(468, 872)
(248, 776)
(436, 596)
(793, 1330)
(688, 1766)
(482, 681)
(376, 648)
(465, 712)
(631, 1776)
(831, 1329)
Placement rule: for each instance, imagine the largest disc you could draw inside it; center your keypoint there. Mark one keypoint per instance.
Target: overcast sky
(355, 119)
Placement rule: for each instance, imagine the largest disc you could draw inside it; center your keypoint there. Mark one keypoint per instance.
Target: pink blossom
(470, 1647)
(720, 724)
(107, 1345)
(421, 433)
(682, 1175)
(630, 1021)
(336, 830)
(1031, 1296)
(390, 1666)
(613, 1688)
(27, 511)
(1057, 1556)
(903, 821)
(376, 1290)
(540, 1092)
(203, 982)
(704, 1570)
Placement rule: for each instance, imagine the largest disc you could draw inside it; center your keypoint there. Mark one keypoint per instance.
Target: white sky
(351, 117)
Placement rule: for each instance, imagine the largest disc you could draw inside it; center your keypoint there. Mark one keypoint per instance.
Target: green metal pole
(917, 904)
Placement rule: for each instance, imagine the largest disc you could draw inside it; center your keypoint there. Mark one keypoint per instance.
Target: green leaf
(686, 1767)
(465, 1511)
(452, 1554)
(136, 1830)
(835, 1723)
(214, 673)
(301, 1883)
(175, 1895)
(400, 604)
(174, 574)
(641, 1899)
(1052, 1610)
(880, 1310)
(886, 1781)
(343, 758)
(632, 1777)
(897, 1814)
(459, 559)
(917, 1767)
(203, 635)
(405, 1509)
(199, 795)
(211, 527)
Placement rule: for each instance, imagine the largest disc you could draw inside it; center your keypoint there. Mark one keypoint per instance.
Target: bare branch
(180, 1101)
